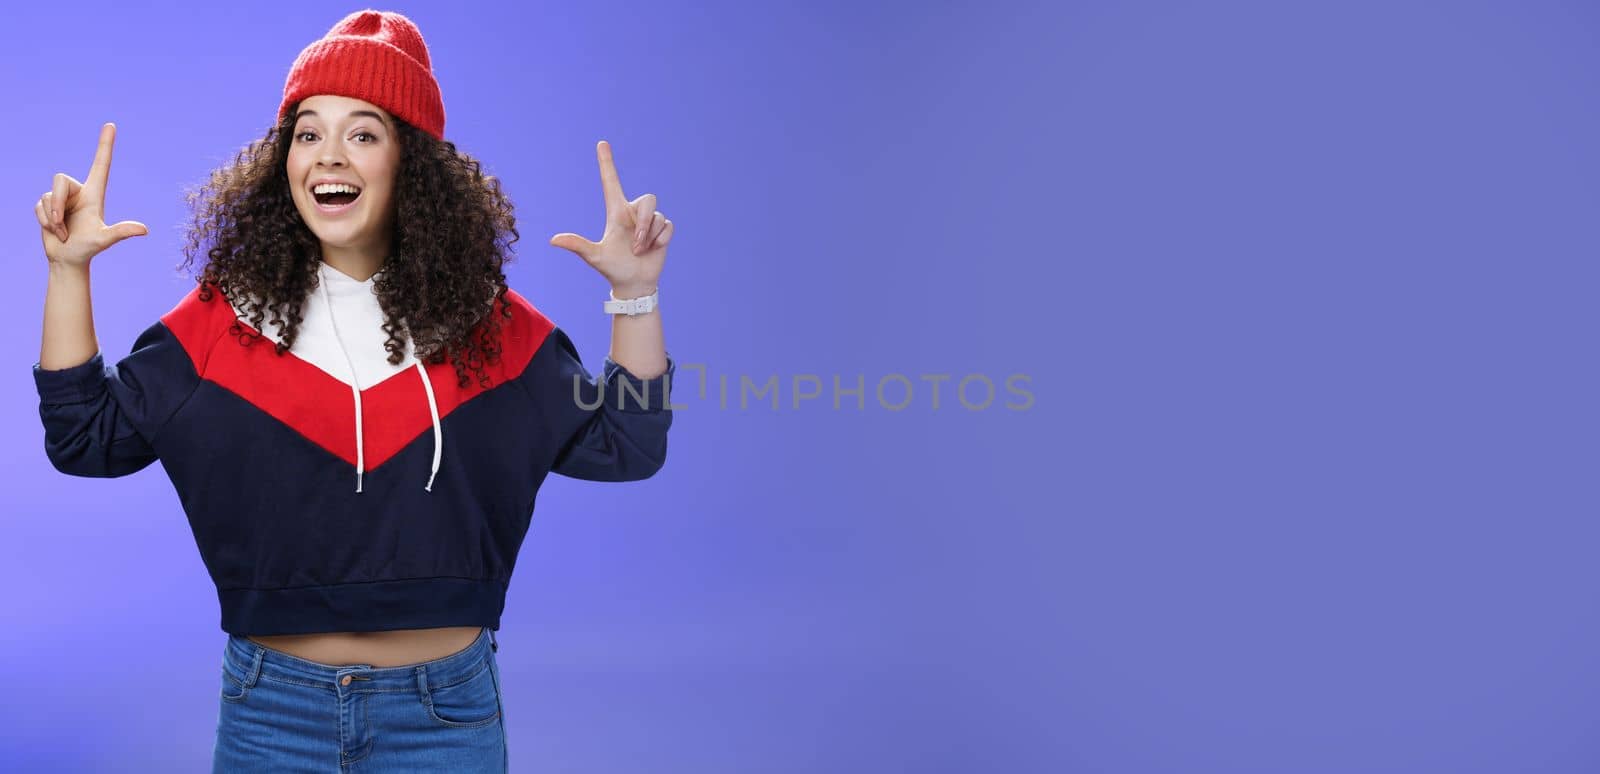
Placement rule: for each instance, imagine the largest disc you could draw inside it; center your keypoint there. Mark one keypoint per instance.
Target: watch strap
(633, 306)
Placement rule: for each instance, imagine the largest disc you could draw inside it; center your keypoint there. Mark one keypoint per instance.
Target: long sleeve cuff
(625, 391)
(75, 384)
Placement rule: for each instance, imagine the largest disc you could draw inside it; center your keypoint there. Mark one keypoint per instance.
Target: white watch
(633, 306)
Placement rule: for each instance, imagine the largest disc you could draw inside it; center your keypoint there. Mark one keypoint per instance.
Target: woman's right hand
(72, 214)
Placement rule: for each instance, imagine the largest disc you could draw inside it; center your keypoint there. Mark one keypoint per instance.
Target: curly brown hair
(439, 285)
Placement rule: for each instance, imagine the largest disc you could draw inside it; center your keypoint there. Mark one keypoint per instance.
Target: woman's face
(349, 141)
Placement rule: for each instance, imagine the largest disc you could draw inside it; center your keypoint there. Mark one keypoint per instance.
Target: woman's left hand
(633, 246)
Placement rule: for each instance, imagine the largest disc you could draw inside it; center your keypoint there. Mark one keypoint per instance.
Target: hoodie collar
(341, 284)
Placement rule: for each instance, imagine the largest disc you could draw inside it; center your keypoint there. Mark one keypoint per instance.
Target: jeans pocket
(238, 678)
(471, 702)
(233, 688)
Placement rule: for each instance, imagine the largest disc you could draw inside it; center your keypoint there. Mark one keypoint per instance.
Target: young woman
(350, 314)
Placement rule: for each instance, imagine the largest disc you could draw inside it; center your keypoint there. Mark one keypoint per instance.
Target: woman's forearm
(68, 338)
(637, 342)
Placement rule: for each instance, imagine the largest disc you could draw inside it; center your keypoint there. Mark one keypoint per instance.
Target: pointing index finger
(101, 170)
(609, 182)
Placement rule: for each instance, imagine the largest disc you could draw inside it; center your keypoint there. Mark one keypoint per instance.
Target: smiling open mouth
(335, 198)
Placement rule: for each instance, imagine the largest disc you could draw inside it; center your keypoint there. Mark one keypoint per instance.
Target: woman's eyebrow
(353, 114)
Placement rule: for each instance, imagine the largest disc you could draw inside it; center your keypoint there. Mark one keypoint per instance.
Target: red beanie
(375, 56)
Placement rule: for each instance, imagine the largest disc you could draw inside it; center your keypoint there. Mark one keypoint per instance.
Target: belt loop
(422, 684)
(254, 673)
(494, 646)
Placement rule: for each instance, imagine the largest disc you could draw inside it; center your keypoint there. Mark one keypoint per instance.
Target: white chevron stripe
(360, 319)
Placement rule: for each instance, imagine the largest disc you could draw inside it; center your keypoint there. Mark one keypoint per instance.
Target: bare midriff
(398, 647)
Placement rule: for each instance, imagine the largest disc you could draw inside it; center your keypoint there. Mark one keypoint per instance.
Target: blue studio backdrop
(1067, 387)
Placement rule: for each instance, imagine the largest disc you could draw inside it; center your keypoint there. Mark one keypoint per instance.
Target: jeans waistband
(248, 660)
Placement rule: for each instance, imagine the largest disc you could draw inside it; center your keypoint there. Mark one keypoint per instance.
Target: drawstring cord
(438, 432)
(355, 389)
(355, 392)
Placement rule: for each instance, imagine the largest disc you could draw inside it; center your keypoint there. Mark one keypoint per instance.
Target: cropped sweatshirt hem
(413, 603)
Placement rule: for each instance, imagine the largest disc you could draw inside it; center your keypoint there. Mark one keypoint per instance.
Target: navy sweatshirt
(331, 491)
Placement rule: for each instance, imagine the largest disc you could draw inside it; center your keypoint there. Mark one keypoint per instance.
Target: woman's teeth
(335, 195)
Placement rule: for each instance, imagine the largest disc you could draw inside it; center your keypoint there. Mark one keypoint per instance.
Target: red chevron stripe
(394, 412)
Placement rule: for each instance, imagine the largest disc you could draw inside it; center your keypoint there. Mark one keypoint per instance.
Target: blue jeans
(280, 713)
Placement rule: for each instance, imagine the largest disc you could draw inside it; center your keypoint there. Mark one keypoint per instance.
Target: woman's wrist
(73, 270)
(621, 292)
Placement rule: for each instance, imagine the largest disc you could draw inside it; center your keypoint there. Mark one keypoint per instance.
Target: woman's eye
(358, 134)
